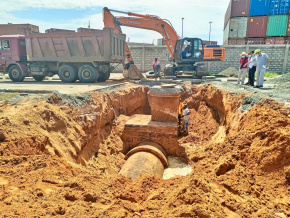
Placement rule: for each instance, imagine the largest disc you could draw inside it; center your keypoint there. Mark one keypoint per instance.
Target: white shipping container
(226, 32)
(236, 28)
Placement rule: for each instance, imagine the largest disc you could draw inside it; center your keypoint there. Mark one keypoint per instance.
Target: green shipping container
(277, 25)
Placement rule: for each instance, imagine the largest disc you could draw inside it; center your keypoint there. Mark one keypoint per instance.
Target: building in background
(13, 29)
(257, 22)
(55, 30)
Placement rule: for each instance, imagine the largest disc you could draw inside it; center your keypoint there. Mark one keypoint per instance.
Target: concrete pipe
(147, 159)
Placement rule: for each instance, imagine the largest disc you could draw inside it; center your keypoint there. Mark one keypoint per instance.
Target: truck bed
(98, 46)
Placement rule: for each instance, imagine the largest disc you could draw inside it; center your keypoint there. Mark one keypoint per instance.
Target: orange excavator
(185, 52)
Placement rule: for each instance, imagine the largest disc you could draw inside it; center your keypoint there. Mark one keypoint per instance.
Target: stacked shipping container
(267, 22)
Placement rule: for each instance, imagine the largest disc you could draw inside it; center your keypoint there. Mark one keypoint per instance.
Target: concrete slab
(140, 128)
(196, 81)
(208, 77)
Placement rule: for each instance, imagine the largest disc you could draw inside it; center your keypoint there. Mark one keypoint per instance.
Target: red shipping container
(237, 8)
(257, 26)
(275, 41)
(235, 42)
(255, 41)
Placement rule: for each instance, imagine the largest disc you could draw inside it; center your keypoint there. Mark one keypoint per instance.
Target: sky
(72, 14)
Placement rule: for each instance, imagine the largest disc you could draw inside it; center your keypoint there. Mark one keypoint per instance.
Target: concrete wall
(278, 54)
(279, 57)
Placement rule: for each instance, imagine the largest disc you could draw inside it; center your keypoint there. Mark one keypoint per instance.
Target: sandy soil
(59, 159)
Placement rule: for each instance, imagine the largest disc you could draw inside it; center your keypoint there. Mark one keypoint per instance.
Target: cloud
(197, 15)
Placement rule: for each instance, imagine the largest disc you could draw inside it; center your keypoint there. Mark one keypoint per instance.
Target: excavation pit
(62, 159)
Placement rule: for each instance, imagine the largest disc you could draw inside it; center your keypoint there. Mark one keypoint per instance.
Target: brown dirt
(59, 160)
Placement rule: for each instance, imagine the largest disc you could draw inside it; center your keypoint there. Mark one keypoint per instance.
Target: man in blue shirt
(262, 65)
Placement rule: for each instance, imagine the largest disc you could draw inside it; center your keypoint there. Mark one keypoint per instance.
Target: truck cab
(13, 57)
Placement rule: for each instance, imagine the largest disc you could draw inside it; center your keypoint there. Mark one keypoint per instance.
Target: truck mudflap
(24, 68)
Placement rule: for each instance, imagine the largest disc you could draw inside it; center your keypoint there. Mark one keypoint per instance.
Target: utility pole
(182, 27)
(210, 22)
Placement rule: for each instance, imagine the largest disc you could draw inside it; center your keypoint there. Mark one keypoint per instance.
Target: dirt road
(54, 83)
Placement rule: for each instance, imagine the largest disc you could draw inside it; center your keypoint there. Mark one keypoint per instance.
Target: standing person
(156, 68)
(243, 68)
(186, 113)
(180, 108)
(252, 64)
(262, 65)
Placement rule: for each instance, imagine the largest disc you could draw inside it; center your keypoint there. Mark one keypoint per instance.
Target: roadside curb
(110, 88)
(27, 91)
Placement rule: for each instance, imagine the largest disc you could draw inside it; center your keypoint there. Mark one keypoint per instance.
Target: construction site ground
(61, 151)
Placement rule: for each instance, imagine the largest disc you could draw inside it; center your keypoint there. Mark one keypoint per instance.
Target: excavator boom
(149, 22)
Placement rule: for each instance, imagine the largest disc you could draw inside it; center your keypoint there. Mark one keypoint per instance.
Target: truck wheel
(38, 77)
(88, 74)
(68, 74)
(104, 76)
(15, 74)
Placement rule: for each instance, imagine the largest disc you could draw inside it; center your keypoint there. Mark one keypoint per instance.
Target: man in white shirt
(185, 114)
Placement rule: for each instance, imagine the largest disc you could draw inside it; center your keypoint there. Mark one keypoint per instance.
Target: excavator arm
(149, 22)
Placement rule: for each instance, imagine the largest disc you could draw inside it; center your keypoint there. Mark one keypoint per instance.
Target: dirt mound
(281, 82)
(240, 159)
(231, 72)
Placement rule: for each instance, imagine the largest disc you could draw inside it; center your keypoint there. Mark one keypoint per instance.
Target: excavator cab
(188, 50)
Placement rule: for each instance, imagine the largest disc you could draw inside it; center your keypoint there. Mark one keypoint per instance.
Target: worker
(243, 68)
(262, 65)
(180, 108)
(186, 113)
(156, 68)
(252, 64)
(187, 51)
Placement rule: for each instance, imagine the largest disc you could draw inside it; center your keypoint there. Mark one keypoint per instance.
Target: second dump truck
(83, 56)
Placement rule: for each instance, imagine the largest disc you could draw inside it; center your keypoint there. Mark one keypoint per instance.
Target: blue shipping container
(277, 7)
(259, 8)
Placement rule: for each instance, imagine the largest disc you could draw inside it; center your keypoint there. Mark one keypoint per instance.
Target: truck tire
(104, 76)
(68, 74)
(15, 74)
(88, 74)
(38, 77)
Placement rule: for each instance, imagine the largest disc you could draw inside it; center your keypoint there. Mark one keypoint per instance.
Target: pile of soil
(231, 72)
(281, 82)
(57, 159)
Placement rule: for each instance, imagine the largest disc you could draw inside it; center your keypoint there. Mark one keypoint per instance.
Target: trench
(138, 129)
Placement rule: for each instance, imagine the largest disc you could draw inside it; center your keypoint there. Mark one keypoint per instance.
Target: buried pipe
(147, 158)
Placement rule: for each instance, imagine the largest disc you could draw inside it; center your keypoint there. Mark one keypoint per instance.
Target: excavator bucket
(133, 73)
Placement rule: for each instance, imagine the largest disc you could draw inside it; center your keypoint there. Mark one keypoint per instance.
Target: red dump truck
(83, 56)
